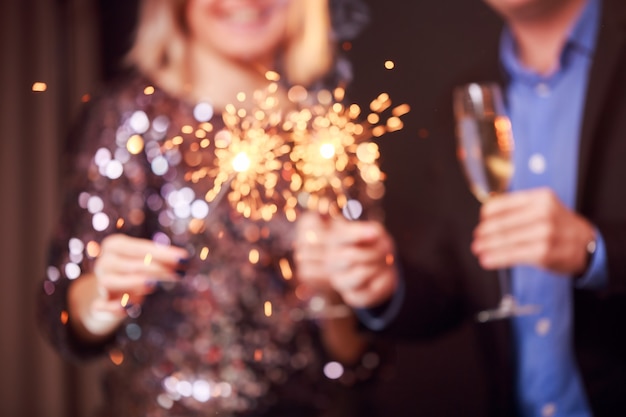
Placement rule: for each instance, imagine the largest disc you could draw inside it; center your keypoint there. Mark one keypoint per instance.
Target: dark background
(433, 44)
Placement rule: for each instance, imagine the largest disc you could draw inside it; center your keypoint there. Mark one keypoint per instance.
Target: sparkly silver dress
(207, 345)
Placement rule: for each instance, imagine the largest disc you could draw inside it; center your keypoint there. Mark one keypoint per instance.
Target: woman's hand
(126, 270)
(353, 258)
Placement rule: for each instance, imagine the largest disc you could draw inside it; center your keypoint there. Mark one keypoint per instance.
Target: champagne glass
(485, 150)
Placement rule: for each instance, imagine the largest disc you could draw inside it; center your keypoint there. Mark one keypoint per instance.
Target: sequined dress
(207, 345)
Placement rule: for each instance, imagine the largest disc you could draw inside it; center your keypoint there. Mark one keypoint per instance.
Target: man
(561, 230)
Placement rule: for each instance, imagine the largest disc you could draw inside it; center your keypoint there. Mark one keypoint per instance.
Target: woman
(186, 297)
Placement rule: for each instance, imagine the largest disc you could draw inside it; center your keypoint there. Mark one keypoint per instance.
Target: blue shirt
(546, 113)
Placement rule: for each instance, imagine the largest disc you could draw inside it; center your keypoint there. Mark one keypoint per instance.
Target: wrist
(91, 317)
(590, 247)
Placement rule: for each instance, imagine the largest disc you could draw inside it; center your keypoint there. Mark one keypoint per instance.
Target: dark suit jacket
(432, 214)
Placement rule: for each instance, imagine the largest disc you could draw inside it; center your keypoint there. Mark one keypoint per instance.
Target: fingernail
(184, 261)
(183, 264)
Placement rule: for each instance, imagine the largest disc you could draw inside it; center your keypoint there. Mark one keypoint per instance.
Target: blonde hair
(160, 47)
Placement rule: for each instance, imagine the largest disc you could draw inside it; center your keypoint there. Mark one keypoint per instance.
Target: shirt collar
(581, 38)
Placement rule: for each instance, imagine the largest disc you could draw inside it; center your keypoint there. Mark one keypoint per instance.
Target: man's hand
(532, 227)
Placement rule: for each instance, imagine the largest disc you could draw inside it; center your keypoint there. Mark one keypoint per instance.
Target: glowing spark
(116, 356)
(253, 256)
(285, 269)
(125, 299)
(331, 148)
(39, 87)
(241, 162)
(249, 157)
(272, 76)
(273, 156)
(135, 144)
(327, 150)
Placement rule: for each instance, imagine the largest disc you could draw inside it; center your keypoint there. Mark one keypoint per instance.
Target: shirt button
(542, 90)
(543, 326)
(548, 410)
(537, 164)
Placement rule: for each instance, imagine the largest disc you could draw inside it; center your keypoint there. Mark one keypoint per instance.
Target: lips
(248, 13)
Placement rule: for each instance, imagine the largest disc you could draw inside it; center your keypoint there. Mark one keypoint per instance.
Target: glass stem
(504, 277)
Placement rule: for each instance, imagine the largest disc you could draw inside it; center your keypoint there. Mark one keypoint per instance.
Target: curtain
(51, 42)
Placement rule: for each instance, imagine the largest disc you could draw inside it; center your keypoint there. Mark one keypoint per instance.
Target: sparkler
(249, 154)
(331, 148)
(271, 158)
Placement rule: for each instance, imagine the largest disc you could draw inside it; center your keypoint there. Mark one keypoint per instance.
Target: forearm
(342, 339)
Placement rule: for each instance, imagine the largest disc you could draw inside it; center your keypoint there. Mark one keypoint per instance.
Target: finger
(308, 243)
(382, 287)
(362, 298)
(539, 205)
(552, 248)
(108, 309)
(314, 276)
(504, 222)
(530, 246)
(133, 284)
(114, 264)
(147, 250)
(519, 235)
(310, 226)
(117, 306)
(353, 279)
(532, 253)
(379, 288)
(309, 254)
(310, 219)
(111, 266)
(345, 233)
(515, 200)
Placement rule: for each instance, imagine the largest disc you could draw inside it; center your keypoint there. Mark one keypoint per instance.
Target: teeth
(245, 16)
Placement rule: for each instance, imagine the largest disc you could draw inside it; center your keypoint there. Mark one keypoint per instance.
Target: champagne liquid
(485, 149)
